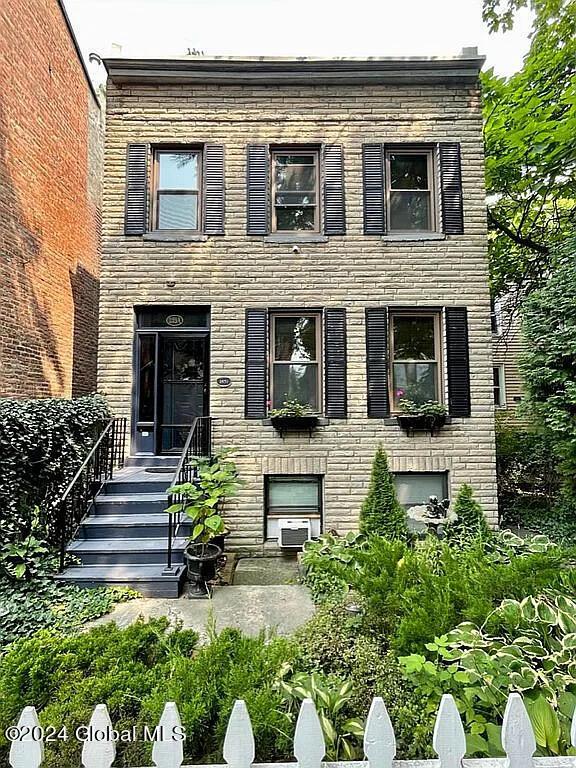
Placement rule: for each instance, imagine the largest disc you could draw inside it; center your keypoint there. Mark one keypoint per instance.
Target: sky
(164, 28)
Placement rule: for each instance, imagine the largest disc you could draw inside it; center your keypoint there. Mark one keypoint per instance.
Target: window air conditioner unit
(293, 532)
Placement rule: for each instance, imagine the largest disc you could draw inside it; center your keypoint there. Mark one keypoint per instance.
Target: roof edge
(78, 52)
(274, 71)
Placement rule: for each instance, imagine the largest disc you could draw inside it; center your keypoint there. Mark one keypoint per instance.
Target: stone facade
(50, 176)
(236, 271)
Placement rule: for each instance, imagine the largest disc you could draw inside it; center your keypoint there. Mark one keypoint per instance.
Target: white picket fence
(99, 740)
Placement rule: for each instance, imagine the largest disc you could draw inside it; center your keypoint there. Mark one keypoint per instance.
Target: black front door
(182, 388)
(171, 389)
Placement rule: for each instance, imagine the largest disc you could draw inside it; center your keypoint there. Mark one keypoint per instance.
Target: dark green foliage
(336, 643)
(42, 443)
(381, 513)
(134, 671)
(470, 523)
(548, 363)
(527, 469)
(43, 603)
(412, 595)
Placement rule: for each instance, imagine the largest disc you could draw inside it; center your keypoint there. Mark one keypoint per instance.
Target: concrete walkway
(265, 595)
(250, 608)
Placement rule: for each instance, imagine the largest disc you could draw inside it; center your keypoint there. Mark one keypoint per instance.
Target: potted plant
(429, 416)
(293, 416)
(216, 479)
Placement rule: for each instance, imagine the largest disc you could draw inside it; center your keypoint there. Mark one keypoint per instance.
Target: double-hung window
(410, 190)
(415, 357)
(177, 184)
(295, 191)
(499, 391)
(295, 359)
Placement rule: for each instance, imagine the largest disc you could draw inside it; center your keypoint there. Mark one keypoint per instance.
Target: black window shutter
(257, 194)
(451, 188)
(136, 183)
(256, 363)
(373, 185)
(213, 189)
(377, 362)
(334, 209)
(335, 393)
(458, 361)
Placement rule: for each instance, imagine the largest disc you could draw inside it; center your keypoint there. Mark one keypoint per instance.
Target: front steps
(124, 539)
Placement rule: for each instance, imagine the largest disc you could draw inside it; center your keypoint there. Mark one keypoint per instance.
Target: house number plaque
(223, 381)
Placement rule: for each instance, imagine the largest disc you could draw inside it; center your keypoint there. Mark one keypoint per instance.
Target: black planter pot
(415, 423)
(220, 540)
(294, 423)
(201, 560)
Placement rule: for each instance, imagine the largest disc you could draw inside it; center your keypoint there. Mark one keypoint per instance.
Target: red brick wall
(49, 207)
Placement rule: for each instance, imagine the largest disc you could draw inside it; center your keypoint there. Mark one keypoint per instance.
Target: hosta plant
(327, 563)
(528, 646)
(331, 697)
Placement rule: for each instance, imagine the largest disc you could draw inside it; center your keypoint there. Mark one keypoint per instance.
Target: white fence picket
(517, 734)
(239, 749)
(27, 749)
(379, 737)
(99, 749)
(309, 746)
(168, 749)
(449, 739)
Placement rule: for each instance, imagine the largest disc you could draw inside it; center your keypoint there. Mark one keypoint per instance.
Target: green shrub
(134, 671)
(43, 603)
(381, 512)
(470, 523)
(42, 443)
(334, 642)
(412, 595)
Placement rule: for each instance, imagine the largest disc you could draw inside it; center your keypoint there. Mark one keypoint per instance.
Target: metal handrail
(104, 457)
(198, 443)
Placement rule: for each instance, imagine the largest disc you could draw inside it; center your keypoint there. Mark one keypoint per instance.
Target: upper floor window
(176, 202)
(295, 359)
(295, 191)
(415, 357)
(410, 191)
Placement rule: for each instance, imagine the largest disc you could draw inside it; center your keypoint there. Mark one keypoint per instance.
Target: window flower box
(294, 417)
(421, 417)
(421, 423)
(294, 423)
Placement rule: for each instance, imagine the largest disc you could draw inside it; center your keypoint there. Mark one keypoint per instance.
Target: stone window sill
(282, 239)
(417, 237)
(175, 236)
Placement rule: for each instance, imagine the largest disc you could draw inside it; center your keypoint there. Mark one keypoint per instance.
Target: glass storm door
(171, 389)
(182, 388)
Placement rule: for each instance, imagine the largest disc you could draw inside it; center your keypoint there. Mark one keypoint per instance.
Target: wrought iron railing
(198, 443)
(106, 455)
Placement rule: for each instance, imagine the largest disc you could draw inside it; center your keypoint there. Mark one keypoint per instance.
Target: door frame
(156, 331)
